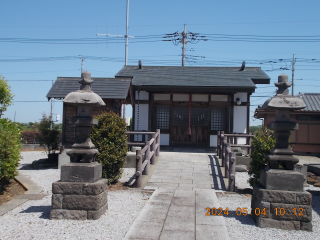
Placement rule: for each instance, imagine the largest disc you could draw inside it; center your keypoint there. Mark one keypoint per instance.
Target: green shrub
(10, 145)
(110, 139)
(48, 138)
(262, 143)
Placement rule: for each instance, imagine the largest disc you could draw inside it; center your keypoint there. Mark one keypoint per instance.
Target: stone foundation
(78, 200)
(288, 210)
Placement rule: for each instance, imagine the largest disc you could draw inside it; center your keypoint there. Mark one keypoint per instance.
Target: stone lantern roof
(84, 95)
(282, 100)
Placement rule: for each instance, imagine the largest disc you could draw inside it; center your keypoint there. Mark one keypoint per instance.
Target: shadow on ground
(44, 210)
(218, 182)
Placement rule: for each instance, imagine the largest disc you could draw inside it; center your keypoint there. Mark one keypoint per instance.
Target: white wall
(241, 95)
(143, 95)
(219, 98)
(180, 97)
(161, 96)
(143, 118)
(200, 98)
(240, 119)
(213, 141)
(164, 139)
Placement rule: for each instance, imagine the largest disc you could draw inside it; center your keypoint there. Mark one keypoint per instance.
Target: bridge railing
(228, 158)
(150, 149)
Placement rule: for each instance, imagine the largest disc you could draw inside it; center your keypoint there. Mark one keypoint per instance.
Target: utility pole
(184, 42)
(184, 38)
(293, 62)
(127, 33)
(125, 36)
(51, 111)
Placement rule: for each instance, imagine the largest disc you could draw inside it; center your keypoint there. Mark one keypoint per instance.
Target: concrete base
(78, 200)
(81, 172)
(286, 180)
(131, 160)
(243, 160)
(288, 210)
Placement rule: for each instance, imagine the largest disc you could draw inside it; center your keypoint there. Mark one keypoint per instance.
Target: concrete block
(314, 168)
(271, 223)
(57, 214)
(291, 212)
(56, 201)
(303, 170)
(274, 196)
(306, 226)
(260, 209)
(95, 188)
(304, 198)
(275, 179)
(94, 215)
(81, 172)
(243, 160)
(83, 202)
(67, 188)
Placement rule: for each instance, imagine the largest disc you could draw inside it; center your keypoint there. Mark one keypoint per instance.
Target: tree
(5, 95)
(110, 138)
(262, 144)
(252, 129)
(10, 145)
(48, 138)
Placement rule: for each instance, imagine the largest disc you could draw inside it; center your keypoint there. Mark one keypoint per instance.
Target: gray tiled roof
(106, 88)
(312, 101)
(194, 76)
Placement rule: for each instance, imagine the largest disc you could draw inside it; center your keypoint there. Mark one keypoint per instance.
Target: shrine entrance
(190, 125)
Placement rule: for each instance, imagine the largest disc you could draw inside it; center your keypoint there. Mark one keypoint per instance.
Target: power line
(184, 38)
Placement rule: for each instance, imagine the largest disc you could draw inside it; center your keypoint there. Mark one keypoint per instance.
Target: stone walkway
(185, 184)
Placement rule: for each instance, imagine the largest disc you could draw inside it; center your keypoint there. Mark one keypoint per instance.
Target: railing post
(158, 143)
(153, 158)
(228, 150)
(232, 172)
(224, 145)
(138, 169)
(147, 158)
(218, 143)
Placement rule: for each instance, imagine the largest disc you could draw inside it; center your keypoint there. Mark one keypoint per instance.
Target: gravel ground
(243, 227)
(31, 219)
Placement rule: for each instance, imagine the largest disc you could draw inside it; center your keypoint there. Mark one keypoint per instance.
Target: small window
(302, 117)
(218, 119)
(314, 117)
(161, 119)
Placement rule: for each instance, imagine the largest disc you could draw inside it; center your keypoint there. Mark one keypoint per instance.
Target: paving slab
(179, 214)
(33, 192)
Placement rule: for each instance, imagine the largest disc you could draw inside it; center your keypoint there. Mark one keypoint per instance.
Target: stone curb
(33, 192)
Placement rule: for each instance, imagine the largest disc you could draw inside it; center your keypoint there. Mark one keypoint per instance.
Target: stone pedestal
(81, 193)
(273, 206)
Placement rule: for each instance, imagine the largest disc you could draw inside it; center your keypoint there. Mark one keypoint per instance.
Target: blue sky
(41, 40)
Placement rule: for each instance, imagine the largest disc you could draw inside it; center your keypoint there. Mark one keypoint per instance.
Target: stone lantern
(81, 193)
(279, 201)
